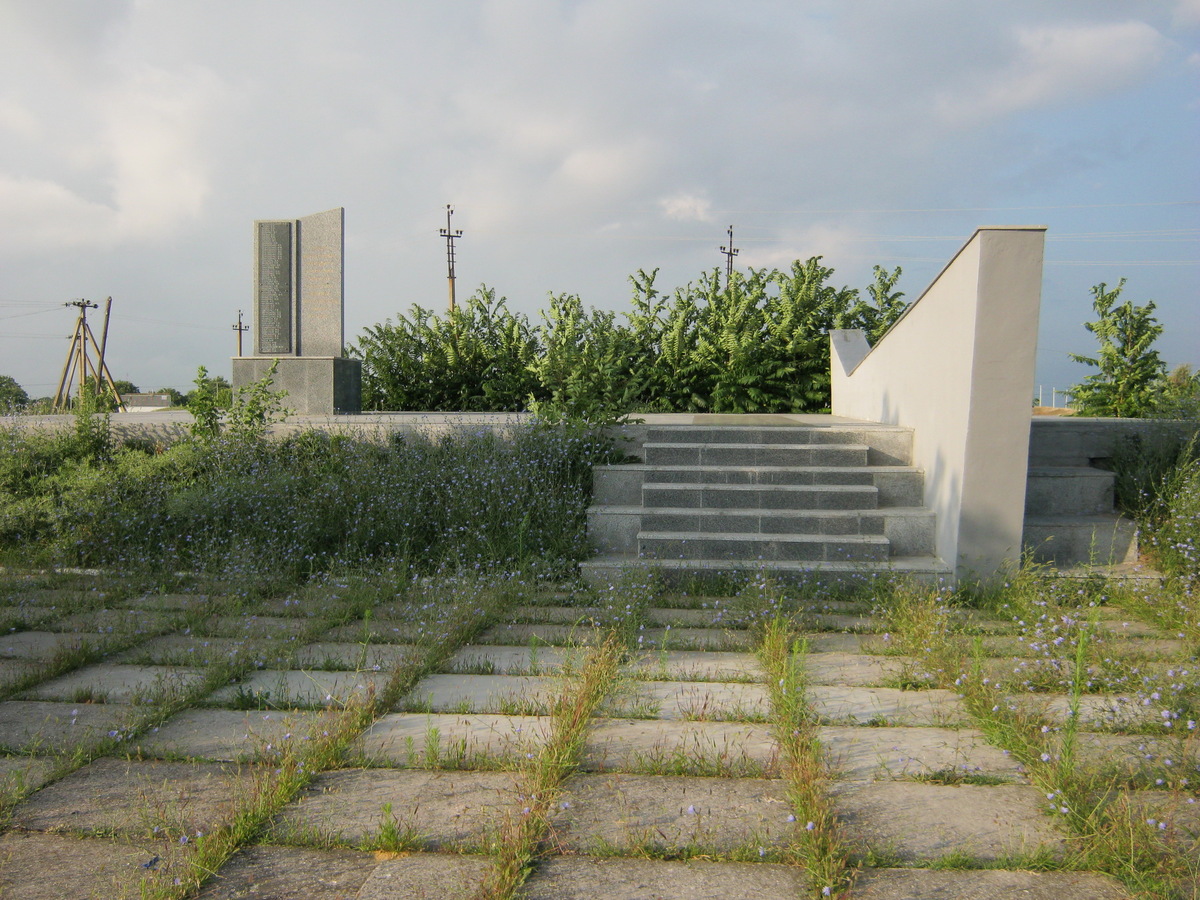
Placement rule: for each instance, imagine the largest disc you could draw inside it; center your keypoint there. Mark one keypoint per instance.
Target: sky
(580, 141)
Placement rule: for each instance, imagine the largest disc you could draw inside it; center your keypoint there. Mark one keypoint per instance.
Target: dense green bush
(753, 342)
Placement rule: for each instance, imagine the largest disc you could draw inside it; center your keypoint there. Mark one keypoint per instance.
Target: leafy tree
(125, 387)
(12, 395)
(215, 387)
(1131, 373)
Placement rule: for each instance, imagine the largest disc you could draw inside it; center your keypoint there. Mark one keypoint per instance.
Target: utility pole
(730, 252)
(240, 329)
(79, 364)
(451, 236)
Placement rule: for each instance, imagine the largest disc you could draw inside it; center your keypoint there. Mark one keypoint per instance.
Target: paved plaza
(127, 763)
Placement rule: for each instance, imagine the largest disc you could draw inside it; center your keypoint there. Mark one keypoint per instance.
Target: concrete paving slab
(836, 704)
(117, 621)
(639, 879)
(928, 821)
(251, 626)
(48, 727)
(690, 700)
(174, 602)
(12, 671)
(840, 642)
(195, 650)
(500, 660)
(504, 694)
(375, 631)
(1143, 755)
(695, 639)
(702, 748)
(1129, 646)
(110, 683)
(56, 866)
(426, 876)
(986, 884)
(454, 740)
(697, 665)
(351, 657)
(133, 797)
(44, 645)
(860, 753)
(226, 735)
(852, 668)
(284, 873)
(583, 616)
(839, 622)
(523, 635)
(23, 773)
(440, 808)
(292, 688)
(720, 617)
(1099, 712)
(634, 814)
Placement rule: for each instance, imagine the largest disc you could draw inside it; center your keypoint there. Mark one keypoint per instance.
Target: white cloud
(1187, 13)
(35, 214)
(157, 124)
(1056, 64)
(832, 242)
(687, 207)
(18, 120)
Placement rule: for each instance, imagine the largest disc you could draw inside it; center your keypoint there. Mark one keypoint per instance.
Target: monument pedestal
(315, 385)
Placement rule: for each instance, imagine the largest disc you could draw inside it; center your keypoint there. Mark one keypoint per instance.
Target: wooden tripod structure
(79, 363)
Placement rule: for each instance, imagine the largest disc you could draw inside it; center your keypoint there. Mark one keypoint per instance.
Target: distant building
(146, 402)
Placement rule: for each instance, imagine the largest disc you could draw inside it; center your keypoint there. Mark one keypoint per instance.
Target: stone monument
(299, 315)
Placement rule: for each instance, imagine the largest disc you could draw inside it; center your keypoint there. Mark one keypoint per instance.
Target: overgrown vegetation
(230, 500)
(755, 342)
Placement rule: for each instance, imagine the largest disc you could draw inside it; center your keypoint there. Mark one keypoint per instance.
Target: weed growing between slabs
(1107, 731)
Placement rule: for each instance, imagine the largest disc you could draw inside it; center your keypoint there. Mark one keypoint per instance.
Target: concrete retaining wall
(958, 368)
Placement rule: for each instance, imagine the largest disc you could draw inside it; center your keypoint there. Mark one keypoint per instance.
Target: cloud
(687, 207)
(37, 214)
(1187, 13)
(833, 242)
(157, 125)
(1055, 64)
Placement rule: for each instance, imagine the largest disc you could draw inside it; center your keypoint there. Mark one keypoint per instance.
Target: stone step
(754, 521)
(764, 434)
(621, 485)
(889, 444)
(733, 546)
(611, 568)
(909, 530)
(1069, 491)
(753, 496)
(1067, 541)
(732, 454)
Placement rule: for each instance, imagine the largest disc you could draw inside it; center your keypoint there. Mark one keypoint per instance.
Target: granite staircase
(829, 500)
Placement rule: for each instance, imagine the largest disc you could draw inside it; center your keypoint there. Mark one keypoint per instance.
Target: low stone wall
(1078, 441)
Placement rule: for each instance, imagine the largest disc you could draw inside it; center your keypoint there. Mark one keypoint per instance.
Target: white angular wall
(958, 368)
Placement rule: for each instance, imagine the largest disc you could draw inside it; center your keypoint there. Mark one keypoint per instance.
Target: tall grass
(1158, 483)
(468, 500)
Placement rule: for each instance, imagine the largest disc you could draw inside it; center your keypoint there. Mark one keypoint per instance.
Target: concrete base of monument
(315, 385)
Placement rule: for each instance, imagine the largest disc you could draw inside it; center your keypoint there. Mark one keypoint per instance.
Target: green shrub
(754, 342)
